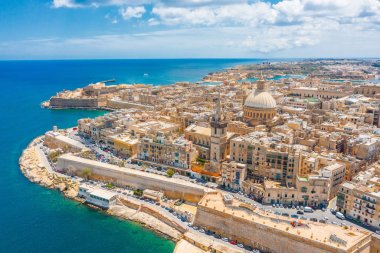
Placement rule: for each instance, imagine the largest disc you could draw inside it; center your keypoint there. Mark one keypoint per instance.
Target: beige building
(266, 157)
(233, 174)
(177, 154)
(154, 127)
(125, 145)
(368, 90)
(259, 107)
(308, 191)
(321, 93)
(200, 136)
(360, 199)
(336, 173)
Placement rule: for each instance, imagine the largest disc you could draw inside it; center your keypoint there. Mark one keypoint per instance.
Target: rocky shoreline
(33, 168)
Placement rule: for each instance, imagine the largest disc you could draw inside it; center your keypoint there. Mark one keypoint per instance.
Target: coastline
(32, 167)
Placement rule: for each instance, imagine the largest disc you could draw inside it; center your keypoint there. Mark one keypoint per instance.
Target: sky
(104, 29)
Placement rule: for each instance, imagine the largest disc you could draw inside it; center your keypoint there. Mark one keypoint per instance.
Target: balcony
(368, 200)
(370, 207)
(370, 211)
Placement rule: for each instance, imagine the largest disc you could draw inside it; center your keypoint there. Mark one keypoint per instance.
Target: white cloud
(132, 12)
(264, 27)
(65, 4)
(277, 39)
(241, 14)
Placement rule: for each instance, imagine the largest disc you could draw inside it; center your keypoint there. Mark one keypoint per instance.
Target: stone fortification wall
(119, 104)
(171, 187)
(266, 238)
(153, 213)
(57, 102)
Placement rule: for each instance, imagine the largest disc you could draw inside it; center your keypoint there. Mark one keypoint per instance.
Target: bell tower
(218, 137)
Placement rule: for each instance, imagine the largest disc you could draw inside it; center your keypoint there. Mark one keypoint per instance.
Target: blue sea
(34, 219)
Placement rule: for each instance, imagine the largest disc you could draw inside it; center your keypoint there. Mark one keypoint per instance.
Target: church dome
(260, 100)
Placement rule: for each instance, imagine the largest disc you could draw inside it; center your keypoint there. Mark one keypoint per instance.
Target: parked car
(295, 216)
(285, 214)
(340, 216)
(299, 212)
(314, 219)
(225, 239)
(233, 242)
(308, 209)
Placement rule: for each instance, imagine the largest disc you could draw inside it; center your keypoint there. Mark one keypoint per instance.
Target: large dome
(261, 100)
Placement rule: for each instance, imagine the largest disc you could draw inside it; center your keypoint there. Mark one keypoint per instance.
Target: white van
(340, 216)
(308, 209)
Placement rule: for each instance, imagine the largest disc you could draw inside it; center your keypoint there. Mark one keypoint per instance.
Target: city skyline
(110, 29)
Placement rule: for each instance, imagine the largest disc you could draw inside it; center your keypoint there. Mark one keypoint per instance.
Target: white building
(98, 197)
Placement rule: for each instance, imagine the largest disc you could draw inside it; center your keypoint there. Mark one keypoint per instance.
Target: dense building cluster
(293, 137)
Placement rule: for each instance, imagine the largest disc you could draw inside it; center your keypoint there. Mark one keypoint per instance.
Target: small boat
(146, 74)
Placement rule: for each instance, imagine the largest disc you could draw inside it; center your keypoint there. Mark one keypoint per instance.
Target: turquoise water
(34, 219)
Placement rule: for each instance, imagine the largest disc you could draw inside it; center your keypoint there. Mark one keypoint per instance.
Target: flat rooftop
(307, 230)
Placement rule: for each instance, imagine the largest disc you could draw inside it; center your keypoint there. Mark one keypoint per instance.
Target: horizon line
(198, 58)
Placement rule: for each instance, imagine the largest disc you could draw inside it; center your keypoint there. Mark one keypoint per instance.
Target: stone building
(266, 157)
(176, 154)
(259, 107)
(360, 198)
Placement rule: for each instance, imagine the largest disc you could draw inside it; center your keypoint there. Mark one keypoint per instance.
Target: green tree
(201, 160)
(86, 173)
(110, 186)
(53, 156)
(170, 172)
(138, 192)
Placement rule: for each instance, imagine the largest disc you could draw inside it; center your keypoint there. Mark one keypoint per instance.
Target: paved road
(44, 159)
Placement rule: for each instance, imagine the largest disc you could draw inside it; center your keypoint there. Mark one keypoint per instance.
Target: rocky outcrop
(33, 168)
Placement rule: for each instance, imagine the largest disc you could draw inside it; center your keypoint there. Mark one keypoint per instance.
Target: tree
(110, 186)
(122, 163)
(201, 161)
(138, 192)
(170, 172)
(86, 173)
(53, 156)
